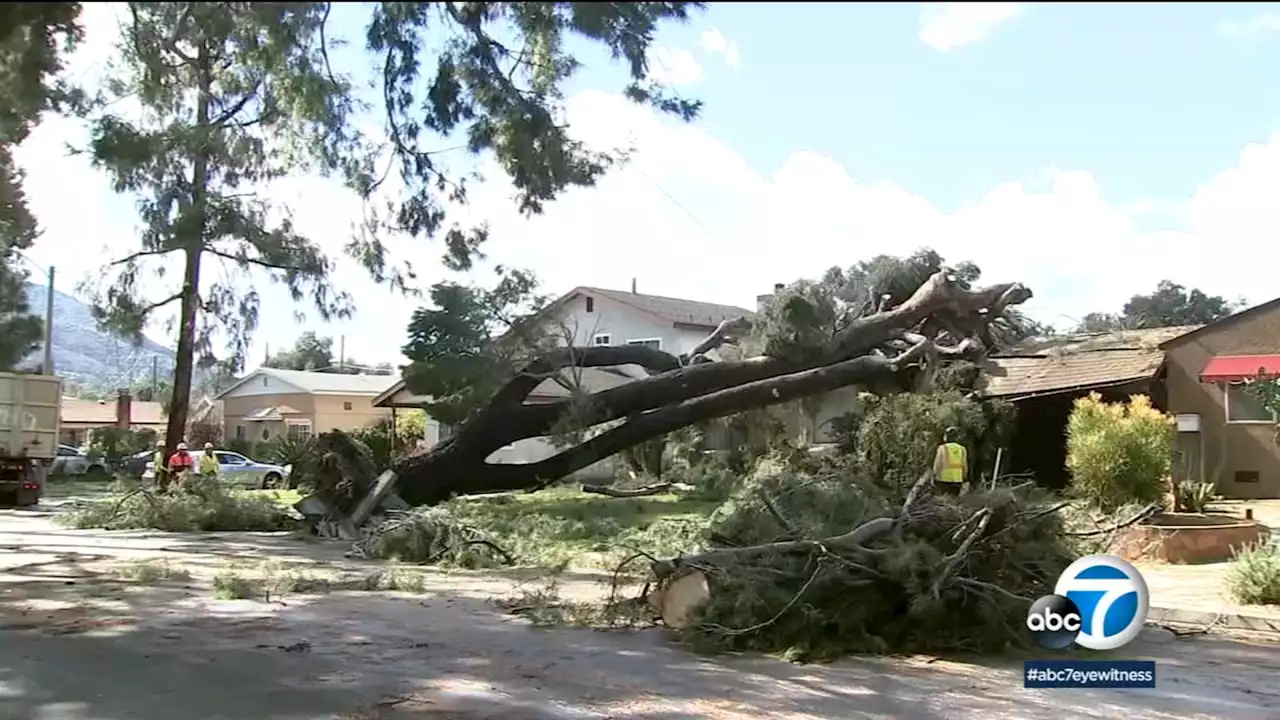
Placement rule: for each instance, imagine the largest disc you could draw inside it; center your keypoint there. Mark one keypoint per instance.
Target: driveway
(76, 645)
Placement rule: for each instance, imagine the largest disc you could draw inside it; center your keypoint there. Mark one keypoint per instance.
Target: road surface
(76, 645)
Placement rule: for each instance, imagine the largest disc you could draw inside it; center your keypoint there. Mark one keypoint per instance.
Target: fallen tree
(813, 559)
(898, 343)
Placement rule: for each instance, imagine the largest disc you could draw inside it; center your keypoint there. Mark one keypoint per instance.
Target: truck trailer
(30, 421)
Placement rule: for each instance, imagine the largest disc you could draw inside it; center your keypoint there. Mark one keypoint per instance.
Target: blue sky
(1089, 150)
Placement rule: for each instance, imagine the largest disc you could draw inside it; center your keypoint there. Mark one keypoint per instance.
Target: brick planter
(1187, 538)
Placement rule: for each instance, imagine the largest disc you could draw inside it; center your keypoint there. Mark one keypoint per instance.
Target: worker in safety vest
(208, 462)
(951, 463)
(159, 467)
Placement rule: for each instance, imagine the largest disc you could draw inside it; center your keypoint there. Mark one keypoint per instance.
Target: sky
(1086, 150)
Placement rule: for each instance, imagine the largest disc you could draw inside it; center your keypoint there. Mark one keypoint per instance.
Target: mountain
(89, 357)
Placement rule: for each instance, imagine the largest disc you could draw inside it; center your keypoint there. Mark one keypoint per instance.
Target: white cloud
(949, 25)
(1252, 28)
(673, 66)
(714, 41)
(690, 217)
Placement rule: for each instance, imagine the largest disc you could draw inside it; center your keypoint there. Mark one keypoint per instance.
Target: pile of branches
(338, 468)
(817, 561)
(431, 537)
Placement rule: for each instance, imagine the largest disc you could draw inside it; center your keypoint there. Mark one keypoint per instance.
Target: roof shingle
(688, 312)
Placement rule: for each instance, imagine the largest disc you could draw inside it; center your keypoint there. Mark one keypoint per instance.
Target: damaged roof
(1078, 362)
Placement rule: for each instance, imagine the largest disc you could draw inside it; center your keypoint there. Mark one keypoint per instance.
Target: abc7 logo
(1054, 622)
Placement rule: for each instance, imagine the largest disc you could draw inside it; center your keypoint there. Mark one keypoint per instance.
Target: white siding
(264, 384)
(623, 322)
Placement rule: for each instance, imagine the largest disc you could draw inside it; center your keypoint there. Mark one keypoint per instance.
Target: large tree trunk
(193, 242)
(872, 351)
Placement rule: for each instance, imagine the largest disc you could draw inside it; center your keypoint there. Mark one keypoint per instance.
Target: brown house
(1225, 437)
(79, 418)
(269, 402)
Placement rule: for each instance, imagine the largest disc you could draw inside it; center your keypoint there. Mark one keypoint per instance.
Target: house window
(602, 339)
(300, 430)
(266, 433)
(591, 304)
(346, 406)
(1243, 407)
(654, 343)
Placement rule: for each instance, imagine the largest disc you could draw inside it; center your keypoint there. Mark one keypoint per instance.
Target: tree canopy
(33, 40)
(315, 353)
(235, 96)
(1170, 305)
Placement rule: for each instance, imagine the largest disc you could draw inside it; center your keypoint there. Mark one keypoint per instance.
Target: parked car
(135, 465)
(236, 469)
(74, 461)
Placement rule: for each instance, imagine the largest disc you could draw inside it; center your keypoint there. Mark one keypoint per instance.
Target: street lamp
(48, 311)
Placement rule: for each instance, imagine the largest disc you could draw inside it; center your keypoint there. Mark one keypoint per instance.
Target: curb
(1208, 620)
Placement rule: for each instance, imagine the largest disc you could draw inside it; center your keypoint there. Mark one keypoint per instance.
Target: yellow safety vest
(954, 464)
(208, 464)
(158, 461)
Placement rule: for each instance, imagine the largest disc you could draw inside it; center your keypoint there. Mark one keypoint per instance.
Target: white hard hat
(182, 446)
(208, 446)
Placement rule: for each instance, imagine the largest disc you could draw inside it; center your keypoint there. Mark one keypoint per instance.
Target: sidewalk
(1196, 595)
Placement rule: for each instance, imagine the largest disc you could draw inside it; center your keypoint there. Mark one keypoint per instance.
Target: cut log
(647, 490)
(678, 600)
(381, 489)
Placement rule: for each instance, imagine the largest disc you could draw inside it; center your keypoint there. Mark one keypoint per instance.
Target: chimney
(633, 286)
(762, 301)
(124, 409)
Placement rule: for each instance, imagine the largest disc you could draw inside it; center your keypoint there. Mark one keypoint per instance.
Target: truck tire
(9, 499)
(27, 498)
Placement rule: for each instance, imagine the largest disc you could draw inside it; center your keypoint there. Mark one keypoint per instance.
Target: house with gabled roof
(270, 402)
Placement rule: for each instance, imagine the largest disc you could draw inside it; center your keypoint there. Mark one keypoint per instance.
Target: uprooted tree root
(817, 563)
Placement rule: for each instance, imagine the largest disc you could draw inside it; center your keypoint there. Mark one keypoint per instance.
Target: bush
(199, 505)
(1254, 576)
(113, 445)
(1195, 497)
(1118, 453)
(894, 437)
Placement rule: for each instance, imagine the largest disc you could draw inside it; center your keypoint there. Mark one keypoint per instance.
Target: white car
(74, 461)
(236, 469)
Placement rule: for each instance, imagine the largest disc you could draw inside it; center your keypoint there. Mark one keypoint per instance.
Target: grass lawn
(62, 487)
(287, 498)
(566, 527)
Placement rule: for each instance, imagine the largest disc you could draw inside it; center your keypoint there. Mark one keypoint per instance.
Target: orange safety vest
(954, 463)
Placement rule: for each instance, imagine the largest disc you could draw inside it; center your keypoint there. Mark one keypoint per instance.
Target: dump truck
(29, 426)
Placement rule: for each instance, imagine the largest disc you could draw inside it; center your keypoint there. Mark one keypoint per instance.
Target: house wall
(332, 413)
(1226, 448)
(235, 408)
(624, 323)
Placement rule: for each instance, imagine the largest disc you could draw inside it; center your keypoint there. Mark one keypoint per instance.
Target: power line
(676, 202)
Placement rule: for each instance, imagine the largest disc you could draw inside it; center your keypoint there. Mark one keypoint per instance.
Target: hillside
(89, 357)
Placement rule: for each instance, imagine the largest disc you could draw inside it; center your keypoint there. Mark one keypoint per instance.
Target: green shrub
(1195, 497)
(1118, 453)
(1254, 576)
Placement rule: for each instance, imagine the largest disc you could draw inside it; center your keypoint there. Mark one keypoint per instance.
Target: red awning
(1233, 368)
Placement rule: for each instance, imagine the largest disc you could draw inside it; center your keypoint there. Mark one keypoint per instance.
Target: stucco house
(1224, 435)
(269, 402)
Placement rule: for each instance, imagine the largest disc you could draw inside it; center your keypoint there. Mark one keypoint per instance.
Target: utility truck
(30, 417)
